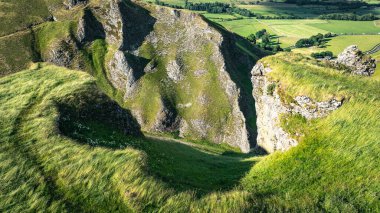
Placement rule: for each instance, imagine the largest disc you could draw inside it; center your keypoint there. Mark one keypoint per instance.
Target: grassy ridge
(335, 166)
(68, 173)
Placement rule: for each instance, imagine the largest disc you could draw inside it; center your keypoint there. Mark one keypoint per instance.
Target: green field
(364, 42)
(244, 27)
(272, 9)
(306, 11)
(292, 30)
(216, 16)
(349, 27)
(339, 43)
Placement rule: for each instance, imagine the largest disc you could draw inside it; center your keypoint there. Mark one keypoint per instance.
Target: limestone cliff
(270, 106)
(175, 74)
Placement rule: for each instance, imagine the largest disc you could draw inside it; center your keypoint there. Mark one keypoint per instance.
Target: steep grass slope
(19, 15)
(94, 167)
(335, 166)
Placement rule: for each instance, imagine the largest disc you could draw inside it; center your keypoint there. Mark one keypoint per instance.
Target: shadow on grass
(181, 166)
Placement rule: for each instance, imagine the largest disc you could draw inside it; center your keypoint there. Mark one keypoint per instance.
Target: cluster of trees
(349, 16)
(325, 54)
(290, 16)
(265, 41)
(167, 5)
(217, 7)
(315, 40)
(340, 4)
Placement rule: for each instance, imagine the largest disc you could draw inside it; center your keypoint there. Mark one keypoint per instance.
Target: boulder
(356, 61)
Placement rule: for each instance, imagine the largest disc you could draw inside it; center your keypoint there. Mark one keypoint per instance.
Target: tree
(252, 38)
(260, 33)
(265, 39)
(325, 54)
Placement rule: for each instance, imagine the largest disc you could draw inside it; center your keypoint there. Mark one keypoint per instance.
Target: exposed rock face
(162, 51)
(174, 71)
(167, 119)
(356, 61)
(121, 74)
(311, 109)
(112, 21)
(63, 54)
(269, 108)
(72, 3)
(89, 28)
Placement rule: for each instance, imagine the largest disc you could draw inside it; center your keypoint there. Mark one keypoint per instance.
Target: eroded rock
(356, 61)
(72, 3)
(63, 53)
(121, 74)
(312, 109)
(89, 28)
(270, 108)
(174, 71)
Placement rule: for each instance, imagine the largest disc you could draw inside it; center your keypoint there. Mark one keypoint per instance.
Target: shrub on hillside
(325, 54)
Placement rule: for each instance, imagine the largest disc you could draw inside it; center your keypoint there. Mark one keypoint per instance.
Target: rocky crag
(356, 61)
(177, 73)
(271, 106)
(176, 76)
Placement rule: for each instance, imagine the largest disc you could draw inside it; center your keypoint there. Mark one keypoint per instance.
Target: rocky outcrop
(356, 61)
(167, 119)
(72, 3)
(312, 109)
(122, 75)
(89, 28)
(270, 107)
(112, 21)
(181, 47)
(62, 53)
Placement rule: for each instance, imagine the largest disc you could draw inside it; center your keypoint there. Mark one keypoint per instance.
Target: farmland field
(364, 42)
(348, 27)
(244, 27)
(305, 11)
(213, 16)
(291, 30)
(339, 43)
